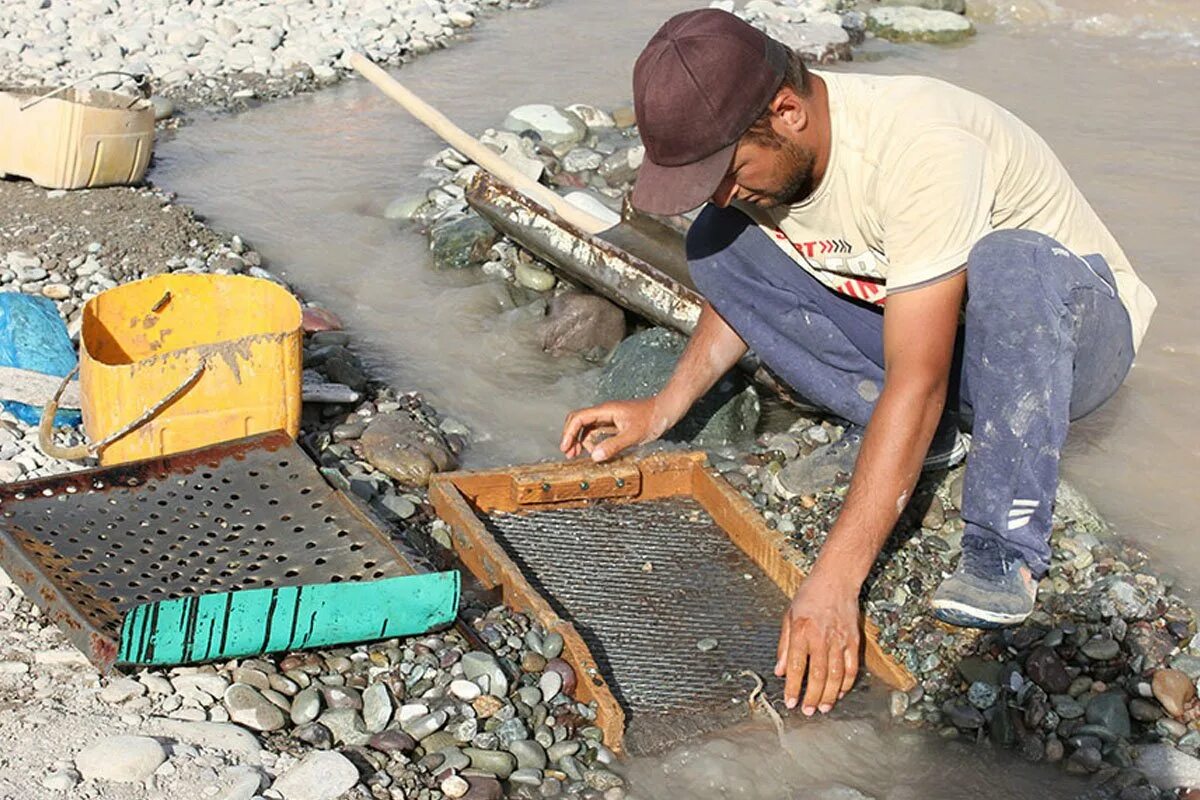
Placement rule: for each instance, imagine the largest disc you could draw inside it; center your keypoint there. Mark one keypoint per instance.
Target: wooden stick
(473, 149)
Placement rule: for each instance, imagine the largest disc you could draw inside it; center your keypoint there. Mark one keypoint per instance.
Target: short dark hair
(795, 77)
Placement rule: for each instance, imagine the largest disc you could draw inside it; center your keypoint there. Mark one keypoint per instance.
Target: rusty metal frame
(77, 605)
(461, 497)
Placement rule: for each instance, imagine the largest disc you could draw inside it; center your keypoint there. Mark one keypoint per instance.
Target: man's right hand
(625, 422)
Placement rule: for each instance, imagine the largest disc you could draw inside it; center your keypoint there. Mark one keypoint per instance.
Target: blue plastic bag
(33, 337)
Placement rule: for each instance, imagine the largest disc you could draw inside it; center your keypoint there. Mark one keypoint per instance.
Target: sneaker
(991, 588)
(820, 468)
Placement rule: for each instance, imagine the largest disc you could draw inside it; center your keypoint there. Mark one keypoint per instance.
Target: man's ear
(789, 111)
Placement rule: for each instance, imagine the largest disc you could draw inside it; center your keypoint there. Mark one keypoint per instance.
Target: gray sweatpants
(1045, 340)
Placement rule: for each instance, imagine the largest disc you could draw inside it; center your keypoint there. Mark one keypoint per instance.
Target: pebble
(346, 725)
(550, 684)
(246, 706)
(982, 695)
(706, 644)
(1174, 690)
(123, 759)
(377, 707)
(454, 786)
(465, 690)
(1109, 710)
(319, 776)
(496, 762)
(1047, 670)
(60, 780)
(122, 689)
(306, 705)
(529, 754)
(1101, 649)
(485, 671)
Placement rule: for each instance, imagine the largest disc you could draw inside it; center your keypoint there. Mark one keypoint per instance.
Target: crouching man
(906, 254)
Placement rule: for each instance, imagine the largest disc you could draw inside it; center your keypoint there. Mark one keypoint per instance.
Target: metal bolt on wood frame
(461, 498)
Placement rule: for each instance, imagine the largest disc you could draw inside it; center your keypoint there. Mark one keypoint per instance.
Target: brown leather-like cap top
(699, 84)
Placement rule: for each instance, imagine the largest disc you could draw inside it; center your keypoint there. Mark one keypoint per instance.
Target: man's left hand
(820, 636)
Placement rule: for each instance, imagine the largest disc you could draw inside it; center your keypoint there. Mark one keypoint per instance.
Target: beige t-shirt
(919, 171)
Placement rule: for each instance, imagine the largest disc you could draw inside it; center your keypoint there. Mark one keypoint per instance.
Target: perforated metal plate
(644, 583)
(88, 546)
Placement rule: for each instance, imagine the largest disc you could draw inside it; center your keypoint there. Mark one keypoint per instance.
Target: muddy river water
(1113, 86)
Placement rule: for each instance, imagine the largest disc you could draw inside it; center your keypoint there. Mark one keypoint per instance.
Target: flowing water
(1111, 84)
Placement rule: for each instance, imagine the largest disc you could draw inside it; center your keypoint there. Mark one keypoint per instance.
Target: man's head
(725, 113)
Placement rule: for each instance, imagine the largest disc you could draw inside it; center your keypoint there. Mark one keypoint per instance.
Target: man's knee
(714, 234)
(1011, 263)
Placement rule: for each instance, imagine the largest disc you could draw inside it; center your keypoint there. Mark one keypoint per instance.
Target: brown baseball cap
(699, 84)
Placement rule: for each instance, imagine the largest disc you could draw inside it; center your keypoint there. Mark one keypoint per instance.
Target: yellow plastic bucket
(176, 362)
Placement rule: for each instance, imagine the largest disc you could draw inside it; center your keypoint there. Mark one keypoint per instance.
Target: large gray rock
(124, 759)
(913, 24)
(1168, 768)
(641, 366)
(402, 448)
(555, 125)
(819, 41)
(953, 6)
(319, 776)
(582, 324)
(462, 242)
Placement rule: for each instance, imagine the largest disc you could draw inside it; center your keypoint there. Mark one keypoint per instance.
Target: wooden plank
(486, 559)
(768, 549)
(577, 480)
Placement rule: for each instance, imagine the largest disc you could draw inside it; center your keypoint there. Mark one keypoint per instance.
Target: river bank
(139, 713)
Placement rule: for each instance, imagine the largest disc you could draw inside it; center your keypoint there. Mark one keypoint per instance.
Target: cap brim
(674, 190)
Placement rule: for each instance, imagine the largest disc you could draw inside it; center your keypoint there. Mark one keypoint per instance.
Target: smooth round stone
(1067, 707)
(377, 707)
(467, 691)
(1188, 664)
(558, 751)
(342, 697)
(494, 762)
(566, 672)
(411, 711)
(1144, 711)
(1054, 749)
(526, 777)
(423, 726)
(123, 759)
(454, 787)
(530, 696)
(1101, 649)
(1171, 728)
(1174, 690)
(306, 706)
(529, 755)
(485, 671)
(552, 645)
(1080, 685)
(571, 767)
(535, 278)
(254, 677)
(246, 706)
(550, 684)
(898, 704)
(392, 741)
(283, 684)
(706, 644)
(533, 662)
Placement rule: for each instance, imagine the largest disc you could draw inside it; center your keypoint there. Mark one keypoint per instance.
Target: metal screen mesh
(234, 517)
(644, 583)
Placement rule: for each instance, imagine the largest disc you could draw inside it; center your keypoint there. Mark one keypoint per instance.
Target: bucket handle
(141, 81)
(46, 425)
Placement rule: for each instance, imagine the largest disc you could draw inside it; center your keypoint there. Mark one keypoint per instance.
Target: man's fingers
(831, 691)
(781, 652)
(797, 662)
(576, 422)
(613, 445)
(818, 671)
(850, 655)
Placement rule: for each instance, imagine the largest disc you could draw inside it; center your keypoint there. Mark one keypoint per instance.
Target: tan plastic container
(79, 138)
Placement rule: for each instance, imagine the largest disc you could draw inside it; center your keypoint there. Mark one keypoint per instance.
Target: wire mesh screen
(670, 608)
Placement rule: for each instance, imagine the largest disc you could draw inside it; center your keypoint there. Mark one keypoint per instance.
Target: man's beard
(795, 168)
